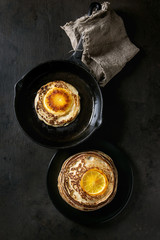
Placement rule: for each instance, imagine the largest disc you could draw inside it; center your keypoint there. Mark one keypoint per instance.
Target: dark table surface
(30, 33)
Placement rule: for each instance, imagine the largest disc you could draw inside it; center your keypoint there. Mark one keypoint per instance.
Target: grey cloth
(107, 47)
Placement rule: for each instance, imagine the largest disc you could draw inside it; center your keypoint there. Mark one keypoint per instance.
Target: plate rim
(104, 220)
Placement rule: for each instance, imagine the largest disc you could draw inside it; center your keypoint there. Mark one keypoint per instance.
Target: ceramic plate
(106, 213)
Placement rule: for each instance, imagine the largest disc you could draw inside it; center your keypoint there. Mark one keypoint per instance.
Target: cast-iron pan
(124, 189)
(72, 71)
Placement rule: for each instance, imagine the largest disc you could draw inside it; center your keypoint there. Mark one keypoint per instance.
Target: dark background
(30, 33)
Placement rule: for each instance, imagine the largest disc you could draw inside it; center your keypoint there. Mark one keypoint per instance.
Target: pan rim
(68, 144)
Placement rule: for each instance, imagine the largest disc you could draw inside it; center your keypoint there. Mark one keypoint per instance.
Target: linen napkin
(107, 47)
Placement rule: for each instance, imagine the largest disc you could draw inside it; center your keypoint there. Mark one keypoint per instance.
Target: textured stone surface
(30, 34)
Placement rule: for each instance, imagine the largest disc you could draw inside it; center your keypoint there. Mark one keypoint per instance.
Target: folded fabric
(107, 47)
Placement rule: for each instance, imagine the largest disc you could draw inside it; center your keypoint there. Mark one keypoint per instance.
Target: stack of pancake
(57, 103)
(88, 180)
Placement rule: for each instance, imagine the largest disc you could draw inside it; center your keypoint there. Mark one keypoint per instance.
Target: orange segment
(94, 182)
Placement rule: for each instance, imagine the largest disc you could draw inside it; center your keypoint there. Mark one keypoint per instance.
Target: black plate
(106, 213)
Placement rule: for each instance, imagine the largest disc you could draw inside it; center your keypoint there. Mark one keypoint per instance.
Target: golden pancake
(57, 103)
(88, 180)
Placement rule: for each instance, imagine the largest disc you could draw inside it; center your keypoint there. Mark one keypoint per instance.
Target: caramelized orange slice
(94, 182)
(58, 100)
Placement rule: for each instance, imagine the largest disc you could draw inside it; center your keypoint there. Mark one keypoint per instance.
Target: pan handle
(77, 55)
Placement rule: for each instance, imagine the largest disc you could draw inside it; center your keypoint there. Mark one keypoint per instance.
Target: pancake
(57, 103)
(88, 180)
